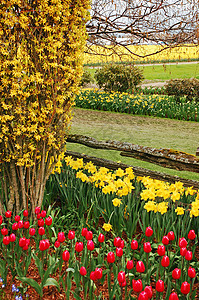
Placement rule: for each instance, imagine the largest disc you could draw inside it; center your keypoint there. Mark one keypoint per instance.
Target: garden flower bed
(153, 105)
(126, 238)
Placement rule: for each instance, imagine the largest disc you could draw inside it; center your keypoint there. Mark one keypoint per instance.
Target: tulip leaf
(32, 283)
(47, 273)
(70, 270)
(38, 264)
(52, 281)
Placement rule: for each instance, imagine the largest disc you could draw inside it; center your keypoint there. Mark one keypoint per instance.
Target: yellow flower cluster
(159, 194)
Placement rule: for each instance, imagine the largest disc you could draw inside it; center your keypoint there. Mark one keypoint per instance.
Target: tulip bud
(119, 252)
(71, 235)
(173, 296)
(15, 226)
(8, 214)
(121, 277)
(89, 235)
(182, 242)
(110, 257)
(48, 221)
(176, 273)
(92, 276)
(41, 222)
(122, 244)
(20, 224)
(137, 285)
(84, 231)
(6, 240)
(183, 251)
(117, 242)
(65, 255)
(90, 245)
(17, 218)
(26, 225)
(79, 246)
(98, 273)
(25, 213)
(32, 231)
(171, 236)
(147, 247)
(122, 283)
(1, 219)
(57, 244)
(22, 242)
(129, 264)
(191, 235)
(43, 213)
(134, 245)
(41, 230)
(148, 231)
(61, 237)
(101, 238)
(188, 255)
(37, 210)
(83, 271)
(159, 286)
(42, 245)
(191, 272)
(185, 288)
(149, 291)
(165, 261)
(12, 237)
(143, 296)
(165, 240)
(4, 231)
(140, 267)
(161, 250)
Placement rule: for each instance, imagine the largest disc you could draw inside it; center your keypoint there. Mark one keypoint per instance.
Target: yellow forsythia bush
(41, 49)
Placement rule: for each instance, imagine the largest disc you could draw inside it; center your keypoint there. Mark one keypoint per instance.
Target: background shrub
(188, 87)
(86, 78)
(118, 78)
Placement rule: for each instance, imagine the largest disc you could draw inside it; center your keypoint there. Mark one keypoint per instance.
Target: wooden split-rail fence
(167, 158)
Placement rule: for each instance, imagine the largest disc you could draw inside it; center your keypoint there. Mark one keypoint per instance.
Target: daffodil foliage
(41, 50)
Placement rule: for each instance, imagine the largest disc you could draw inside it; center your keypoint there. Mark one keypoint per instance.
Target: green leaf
(70, 270)
(52, 281)
(38, 264)
(32, 283)
(47, 273)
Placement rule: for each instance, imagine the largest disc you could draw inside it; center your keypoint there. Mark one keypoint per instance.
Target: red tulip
(173, 296)
(98, 273)
(101, 238)
(165, 261)
(191, 235)
(57, 244)
(47, 244)
(37, 210)
(38, 216)
(137, 285)
(89, 235)
(84, 231)
(6, 240)
(110, 257)
(143, 296)
(26, 225)
(22, 242)
(171, 236)
(183, 251)
(188, 255)
(117, 242)
(149, 291)
(20, 224)
(161, 250)
(93, 276)
(66, 255)
(140, 267)
(8, 214)
(122, 244)
(182, 242)
(134, 245)
(83, 271)
(25, 213)
(4, 231)
(159, 286)
(90, 245)
(43, 213)
(41, 222)
(71, 235)
(165, 240)
(32, 231)
(191, 272)
(185, 288)
(148, 231)
(17, 218)
(1, 219)
(12, 237)
(176, 273)
(129, 264)
(42, 245)
(147, 247)
(79, 246)
(61, 237)
(119, 252)
(41, 230)
(15, 226)
(48, 221)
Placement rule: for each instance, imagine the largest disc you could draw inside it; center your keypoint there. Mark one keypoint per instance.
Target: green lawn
(166, 72)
